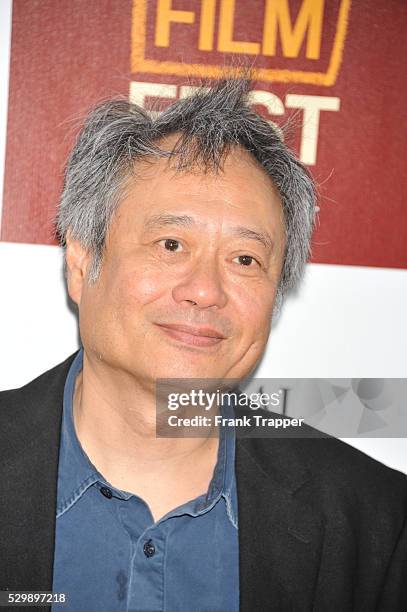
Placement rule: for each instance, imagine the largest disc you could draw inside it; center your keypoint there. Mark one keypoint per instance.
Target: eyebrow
(263, 237)
(165, 219)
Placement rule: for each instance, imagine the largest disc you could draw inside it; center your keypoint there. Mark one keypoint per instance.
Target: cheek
(137, 287)
(254, 306)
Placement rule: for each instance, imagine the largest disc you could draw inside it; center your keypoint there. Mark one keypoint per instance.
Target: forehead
(240, 191)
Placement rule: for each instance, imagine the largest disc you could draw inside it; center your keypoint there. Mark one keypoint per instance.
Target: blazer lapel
(280, 535)
(30, 424)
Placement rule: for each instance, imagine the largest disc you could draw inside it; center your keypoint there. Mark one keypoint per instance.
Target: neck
(115, 421)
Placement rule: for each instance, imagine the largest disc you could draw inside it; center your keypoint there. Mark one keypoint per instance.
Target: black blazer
(321, 526)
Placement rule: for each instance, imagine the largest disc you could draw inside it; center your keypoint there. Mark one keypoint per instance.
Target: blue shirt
(111, 555)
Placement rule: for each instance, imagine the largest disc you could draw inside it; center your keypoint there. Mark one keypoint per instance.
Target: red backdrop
(66, 56)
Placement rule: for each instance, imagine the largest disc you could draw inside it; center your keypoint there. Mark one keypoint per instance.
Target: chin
(186, 369)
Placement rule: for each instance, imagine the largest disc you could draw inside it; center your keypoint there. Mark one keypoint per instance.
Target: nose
(203, 286)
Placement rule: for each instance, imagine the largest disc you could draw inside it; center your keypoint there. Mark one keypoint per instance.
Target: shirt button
(106, 492)
(149, 548)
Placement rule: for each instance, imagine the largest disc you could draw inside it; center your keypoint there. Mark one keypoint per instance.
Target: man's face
(190, 274)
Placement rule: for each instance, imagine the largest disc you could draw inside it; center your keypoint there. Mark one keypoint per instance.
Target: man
(182, 236)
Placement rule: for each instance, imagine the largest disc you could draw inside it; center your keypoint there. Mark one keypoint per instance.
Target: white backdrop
(346, 321)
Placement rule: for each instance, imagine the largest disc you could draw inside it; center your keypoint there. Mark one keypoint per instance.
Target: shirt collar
(76, 473)
(223, 482)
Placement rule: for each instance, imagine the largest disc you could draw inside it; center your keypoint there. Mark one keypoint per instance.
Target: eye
(247, 260)
(170, 244)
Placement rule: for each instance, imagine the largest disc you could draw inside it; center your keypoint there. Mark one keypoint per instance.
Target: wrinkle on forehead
(240, 195)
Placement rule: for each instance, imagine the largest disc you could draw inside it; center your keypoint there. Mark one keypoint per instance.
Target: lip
(195, 336)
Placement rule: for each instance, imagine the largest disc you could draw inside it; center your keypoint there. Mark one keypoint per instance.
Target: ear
(77, 262)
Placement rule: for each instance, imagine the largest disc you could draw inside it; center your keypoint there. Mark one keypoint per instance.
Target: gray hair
(117, 133)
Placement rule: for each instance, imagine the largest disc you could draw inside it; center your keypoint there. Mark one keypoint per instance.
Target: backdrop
(336, 66)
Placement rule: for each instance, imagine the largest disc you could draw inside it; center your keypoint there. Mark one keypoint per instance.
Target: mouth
(193, 336)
